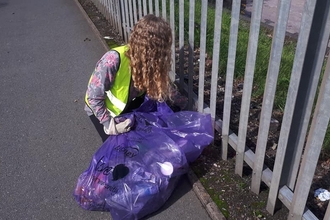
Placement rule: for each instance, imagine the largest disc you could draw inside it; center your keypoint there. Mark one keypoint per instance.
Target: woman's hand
(119, 128)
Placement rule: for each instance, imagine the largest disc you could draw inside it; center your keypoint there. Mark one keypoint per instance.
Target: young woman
(125, 74)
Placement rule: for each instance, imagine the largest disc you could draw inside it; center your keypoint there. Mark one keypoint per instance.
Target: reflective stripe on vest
(117, 96)
(118, 103)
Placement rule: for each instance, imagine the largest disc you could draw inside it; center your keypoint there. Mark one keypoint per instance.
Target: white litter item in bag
(322, 194)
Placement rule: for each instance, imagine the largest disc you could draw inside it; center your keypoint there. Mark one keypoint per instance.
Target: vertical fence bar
(145, 11)
(157, 7)
(248, 82)
(297, 111)
(105, 6)
(191, 52)
(134, 12)
(112, 16)
(127, 29)
(110, 13)
(98, 4)
(130, 7)
(104, 9)
(101, 8)
(172, 23)
(107, 3)
(181, 43)
(119, 19)
(215, 58)
(151, 8)
(140, 9)
(235, 13)
(164, 9)
(123, 20)
(283, 10)
(202, 56)
(107, 11)
(313, 147)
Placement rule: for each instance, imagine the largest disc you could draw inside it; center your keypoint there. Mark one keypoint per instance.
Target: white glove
(119, 128)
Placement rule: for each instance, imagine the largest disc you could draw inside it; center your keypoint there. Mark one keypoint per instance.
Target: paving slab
(269, 13)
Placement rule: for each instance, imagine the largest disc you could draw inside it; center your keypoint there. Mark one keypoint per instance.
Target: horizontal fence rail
(304, 123)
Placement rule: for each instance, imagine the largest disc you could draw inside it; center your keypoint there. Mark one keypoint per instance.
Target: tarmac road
(47, 53)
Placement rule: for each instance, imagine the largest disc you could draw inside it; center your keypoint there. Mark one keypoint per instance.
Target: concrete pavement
(47, 53)
(269, 13)
(295, 16)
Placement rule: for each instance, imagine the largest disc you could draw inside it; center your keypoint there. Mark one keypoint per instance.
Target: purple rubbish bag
(192, 131)
(130, 175)
(133, 174)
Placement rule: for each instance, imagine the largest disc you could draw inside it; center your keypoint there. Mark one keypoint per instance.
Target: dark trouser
(131, 106)
(99, 127)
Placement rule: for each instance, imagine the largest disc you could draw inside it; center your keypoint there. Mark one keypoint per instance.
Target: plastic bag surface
(133, 174)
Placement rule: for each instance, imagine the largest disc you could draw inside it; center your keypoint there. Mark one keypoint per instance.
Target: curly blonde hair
(149, 51)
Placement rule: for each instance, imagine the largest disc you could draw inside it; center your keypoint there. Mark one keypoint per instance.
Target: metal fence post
(305, 28)
(283, 11)
(172, 24)
(216, 57)
(235, 13)
(191, 52)
(311, 69)
(201, 77)
(248, 83)
(181, 45)
(318, 42)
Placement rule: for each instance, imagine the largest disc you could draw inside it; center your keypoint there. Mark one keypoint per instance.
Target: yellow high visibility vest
(117, 97)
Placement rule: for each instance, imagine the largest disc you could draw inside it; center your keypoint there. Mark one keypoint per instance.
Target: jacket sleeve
(101, 81)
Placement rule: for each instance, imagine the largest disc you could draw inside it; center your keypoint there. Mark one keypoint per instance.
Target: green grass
(222, 204)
